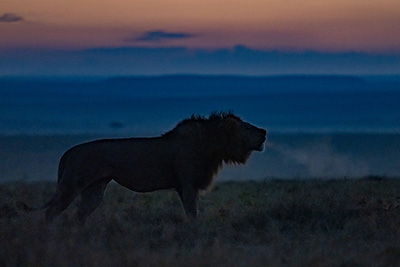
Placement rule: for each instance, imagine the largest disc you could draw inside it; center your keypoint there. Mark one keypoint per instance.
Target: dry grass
(274, 223)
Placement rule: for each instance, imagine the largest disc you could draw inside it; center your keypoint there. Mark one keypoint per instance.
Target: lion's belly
(142, 184)
(145, 178)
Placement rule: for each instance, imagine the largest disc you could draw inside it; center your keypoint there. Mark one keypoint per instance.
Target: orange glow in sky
(339, 25)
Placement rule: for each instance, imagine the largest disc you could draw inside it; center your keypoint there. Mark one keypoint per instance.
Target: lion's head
(222, 136)
(240, 138)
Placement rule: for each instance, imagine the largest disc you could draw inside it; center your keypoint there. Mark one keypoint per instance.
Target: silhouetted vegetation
(273, 223)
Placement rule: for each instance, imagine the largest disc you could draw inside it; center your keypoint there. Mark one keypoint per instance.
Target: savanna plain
(315, 222)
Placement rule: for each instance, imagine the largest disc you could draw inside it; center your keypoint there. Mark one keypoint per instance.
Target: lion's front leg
(189, 197)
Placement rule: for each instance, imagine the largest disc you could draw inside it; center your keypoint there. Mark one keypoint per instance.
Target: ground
(272, 223)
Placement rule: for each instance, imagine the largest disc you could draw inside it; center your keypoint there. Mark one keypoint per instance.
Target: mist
(321, 159)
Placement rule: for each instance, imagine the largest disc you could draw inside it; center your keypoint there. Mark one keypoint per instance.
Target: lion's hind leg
(189, 197)
(60, 201)
(91, 198)
(68, 188)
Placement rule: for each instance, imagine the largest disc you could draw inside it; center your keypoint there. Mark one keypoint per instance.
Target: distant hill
(198, 85)
(238, 84)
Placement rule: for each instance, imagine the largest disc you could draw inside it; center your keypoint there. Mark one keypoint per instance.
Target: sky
(250, 37)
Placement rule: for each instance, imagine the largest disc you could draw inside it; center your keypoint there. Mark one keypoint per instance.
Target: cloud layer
(10, 17)
(157, 36)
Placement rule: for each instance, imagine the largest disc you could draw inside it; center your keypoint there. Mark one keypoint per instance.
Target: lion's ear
(232, 124)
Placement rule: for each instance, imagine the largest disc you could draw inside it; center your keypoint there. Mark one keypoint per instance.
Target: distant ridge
(254, 84)
(278, 78)
(201, 85)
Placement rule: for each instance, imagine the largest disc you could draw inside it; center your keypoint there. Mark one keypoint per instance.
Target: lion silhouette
(185, 159)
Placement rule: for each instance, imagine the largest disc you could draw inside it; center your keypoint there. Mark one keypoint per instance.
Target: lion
(185, 159)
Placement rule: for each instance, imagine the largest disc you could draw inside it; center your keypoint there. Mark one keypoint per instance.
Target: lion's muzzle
(261, 145)
(262, 137)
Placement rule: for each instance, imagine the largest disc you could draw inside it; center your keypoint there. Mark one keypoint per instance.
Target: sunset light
(370, 25)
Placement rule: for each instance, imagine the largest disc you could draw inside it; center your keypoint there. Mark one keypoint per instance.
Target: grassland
(273, 223)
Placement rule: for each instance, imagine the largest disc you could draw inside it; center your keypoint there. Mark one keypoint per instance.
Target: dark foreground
(274, 223)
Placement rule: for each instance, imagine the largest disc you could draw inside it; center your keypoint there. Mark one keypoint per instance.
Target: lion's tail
(22, 205)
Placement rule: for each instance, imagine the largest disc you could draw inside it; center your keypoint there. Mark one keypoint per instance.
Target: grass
(273, 223)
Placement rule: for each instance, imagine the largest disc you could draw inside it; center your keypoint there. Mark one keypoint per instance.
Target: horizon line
(361, 77)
